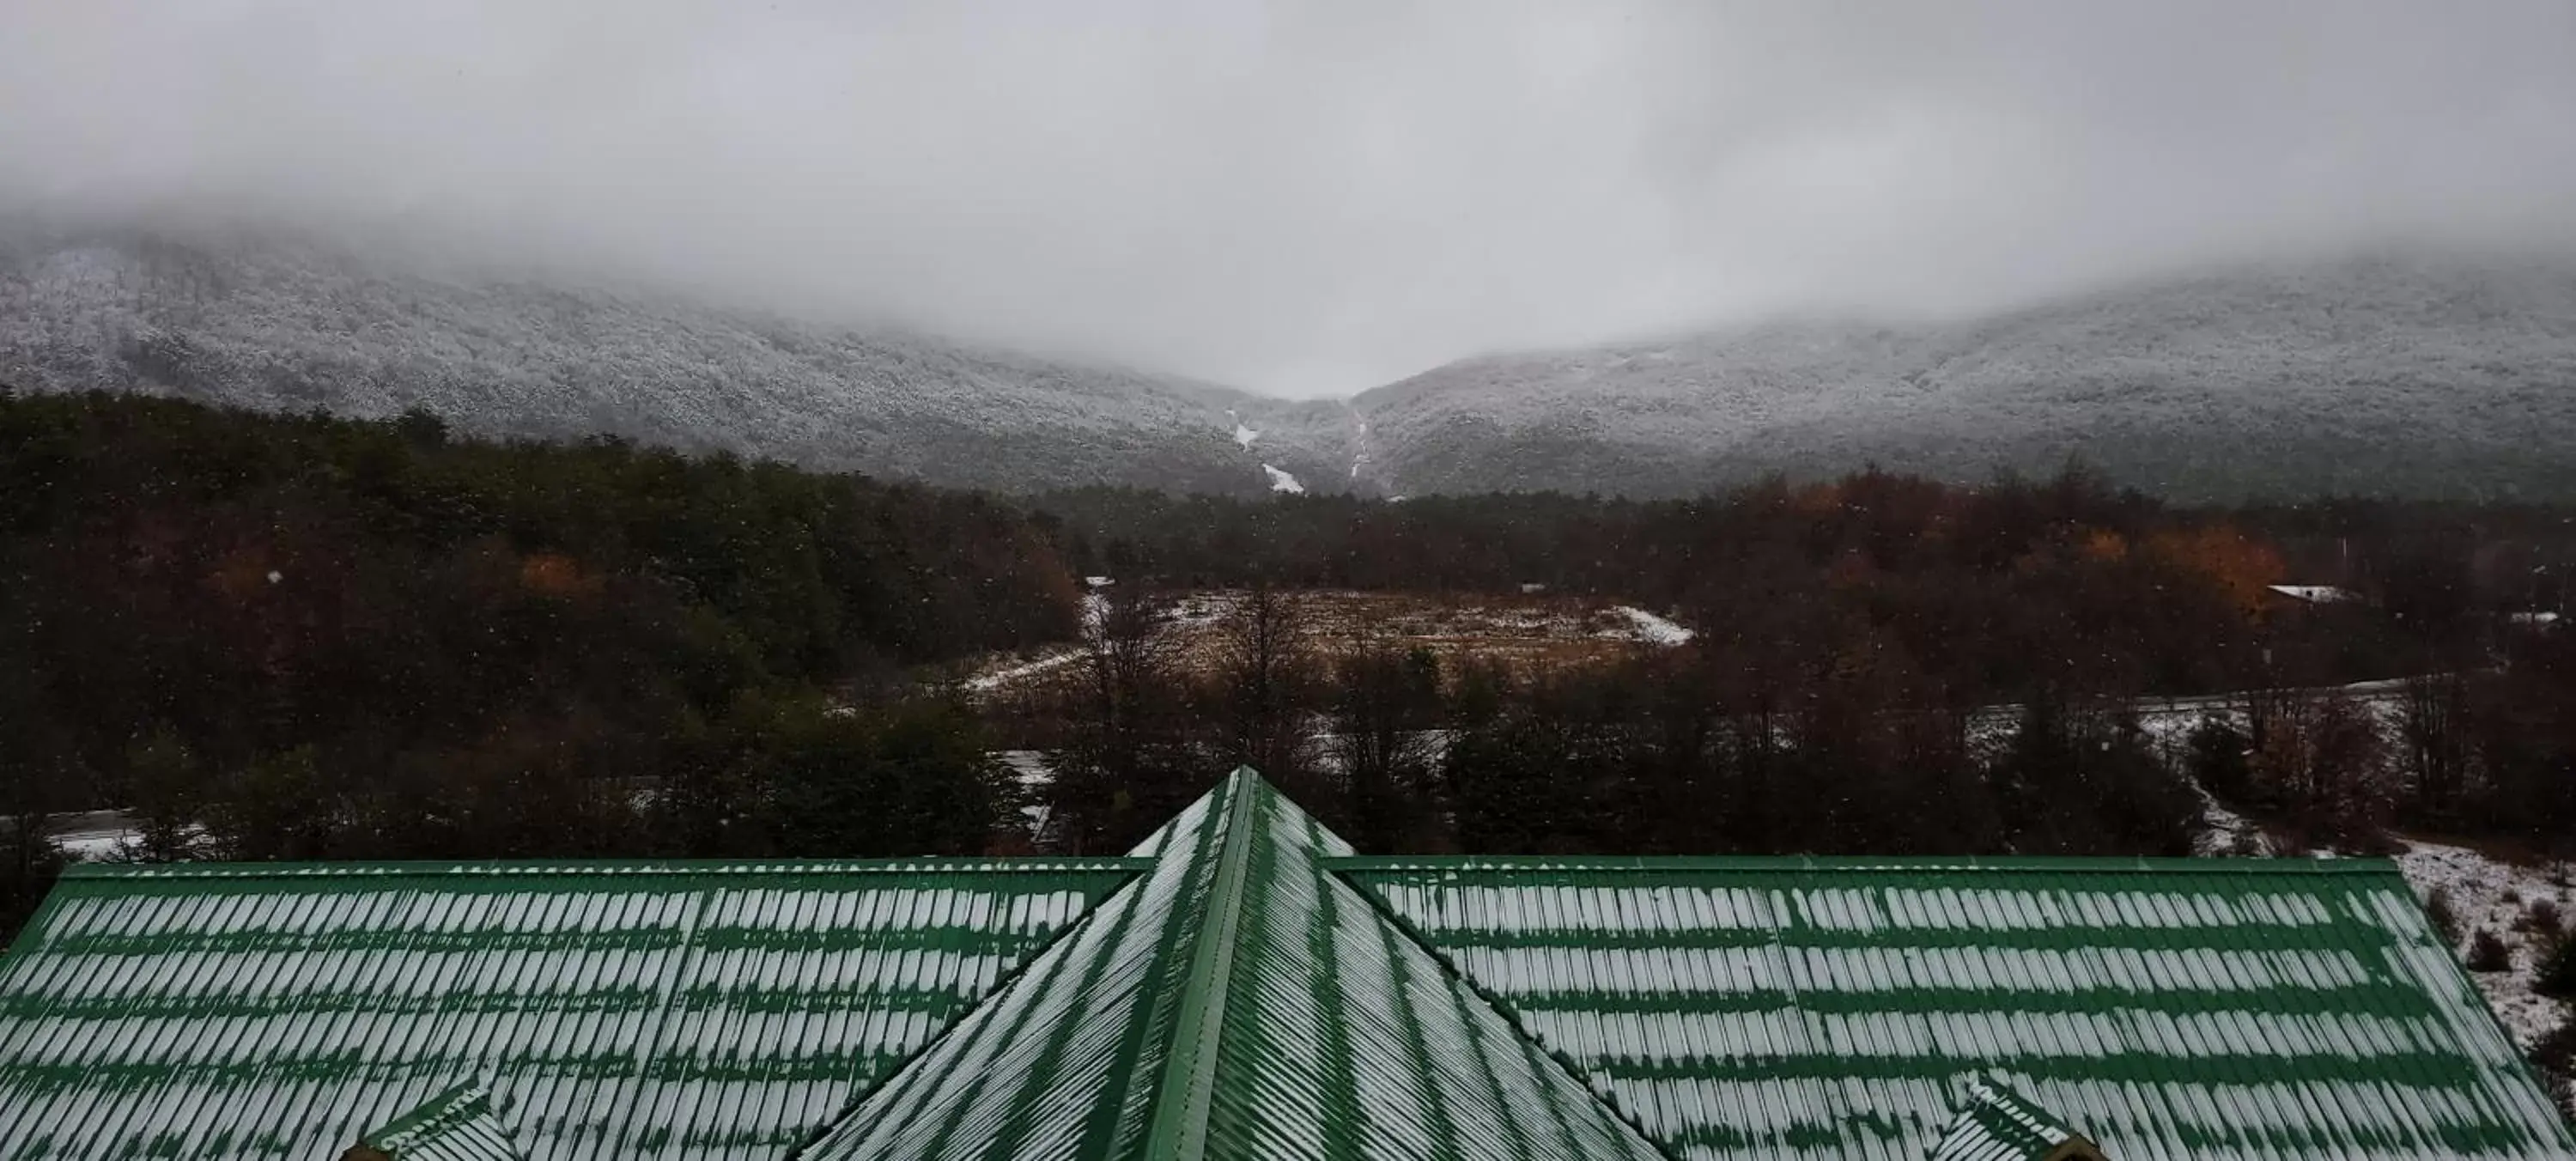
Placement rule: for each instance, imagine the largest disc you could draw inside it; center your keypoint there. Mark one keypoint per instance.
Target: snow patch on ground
(1035, 776)
(2225, 833)
(93, 848)
(1653, 629)
(987, 682)
(1283, 482)
(2478, 887)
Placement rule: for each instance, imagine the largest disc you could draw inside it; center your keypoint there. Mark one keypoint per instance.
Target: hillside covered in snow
(2414, 375)
(291, 326)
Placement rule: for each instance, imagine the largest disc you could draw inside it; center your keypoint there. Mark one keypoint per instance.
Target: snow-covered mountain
(2406, 374)
(289, 325)
(2392, 374)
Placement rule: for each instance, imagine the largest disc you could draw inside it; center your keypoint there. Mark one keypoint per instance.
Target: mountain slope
(291, 326)
(2412, 375)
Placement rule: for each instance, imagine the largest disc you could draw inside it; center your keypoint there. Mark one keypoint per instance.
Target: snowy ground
(1029, 768)
(2225, 833)
(2489, 895)
(93, 836)
(993, 679)
(1652, 629)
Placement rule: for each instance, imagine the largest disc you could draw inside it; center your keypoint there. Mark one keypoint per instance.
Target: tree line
(307, 637)
(303, 637)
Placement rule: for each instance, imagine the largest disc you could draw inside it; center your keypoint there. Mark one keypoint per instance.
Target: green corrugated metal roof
(1246, 988)
(1050, 1067)
(628, 1010)
(2170, 1008)
(1342, 1037)
(1994, 1123)
(1240, 1001)
(456, 1125)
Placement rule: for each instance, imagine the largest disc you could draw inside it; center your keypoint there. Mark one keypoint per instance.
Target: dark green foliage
(2555, 975)
(2555, 1054)
(822, 781)
(2081, 779)
(2488, 953)
(2217, 756)
(28, 863)
(331, 638)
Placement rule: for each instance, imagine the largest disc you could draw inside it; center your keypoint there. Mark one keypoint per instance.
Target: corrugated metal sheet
(456, 1125)
(1238, 1002)
(1059, 1064)
(1343, 1038)
(2168, 1008)
(1249, 991)
(1994, 1123)
(626, 1010)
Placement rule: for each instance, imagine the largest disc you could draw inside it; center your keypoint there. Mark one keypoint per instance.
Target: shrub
(2556, 973)
(2555, 1055)
(2487, 953)
(2444, 914)
(2542, 918)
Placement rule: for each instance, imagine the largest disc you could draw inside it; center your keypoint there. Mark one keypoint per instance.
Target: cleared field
(1516, 630)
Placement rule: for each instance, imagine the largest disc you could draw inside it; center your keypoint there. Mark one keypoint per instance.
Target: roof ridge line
(600, 868)
(1184, 1090)
(1778, 864)
(1388, 915)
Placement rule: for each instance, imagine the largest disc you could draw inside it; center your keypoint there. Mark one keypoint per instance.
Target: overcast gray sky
(1313, 198)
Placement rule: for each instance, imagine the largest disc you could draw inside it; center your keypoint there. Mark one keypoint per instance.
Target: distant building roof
(1243, 986)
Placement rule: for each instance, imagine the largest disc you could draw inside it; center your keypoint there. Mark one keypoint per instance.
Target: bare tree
(1267, 674)
(1125, 766)
(2322, 756)
(1385, 710)
(2435, 736)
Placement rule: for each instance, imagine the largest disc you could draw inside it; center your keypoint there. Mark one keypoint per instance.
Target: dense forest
(302, 637)
(321, 638)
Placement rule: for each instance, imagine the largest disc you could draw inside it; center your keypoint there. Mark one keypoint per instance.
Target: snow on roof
(456, 1125)
(626, 1008)
(2172, 1007)
(1240, 1001)
(1242, 985)
(1994, 1123)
